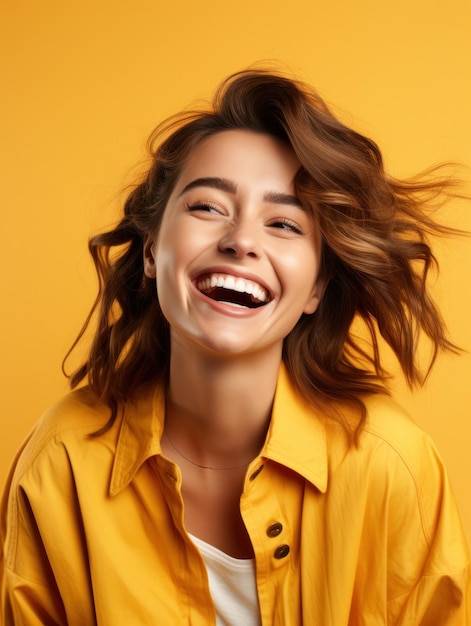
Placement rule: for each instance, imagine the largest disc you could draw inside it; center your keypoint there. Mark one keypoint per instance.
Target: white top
(232, 585)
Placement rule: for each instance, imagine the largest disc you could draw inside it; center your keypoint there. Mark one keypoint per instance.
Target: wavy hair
(376, 253)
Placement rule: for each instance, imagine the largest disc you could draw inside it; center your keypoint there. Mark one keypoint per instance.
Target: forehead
(241, 155)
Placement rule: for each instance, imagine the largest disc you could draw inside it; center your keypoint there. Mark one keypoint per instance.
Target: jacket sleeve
(442, 590)
(29, 594)
(440, 599)
(26, 603)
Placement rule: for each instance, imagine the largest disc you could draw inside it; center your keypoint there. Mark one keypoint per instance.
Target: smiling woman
(230, 445)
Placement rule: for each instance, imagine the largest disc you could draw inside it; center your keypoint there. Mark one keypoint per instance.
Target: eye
(287, 225)
(207, 207)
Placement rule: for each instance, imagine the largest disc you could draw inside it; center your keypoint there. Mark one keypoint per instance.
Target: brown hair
(376, 254)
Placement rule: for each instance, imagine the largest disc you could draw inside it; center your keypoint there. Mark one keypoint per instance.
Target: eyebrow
(277, 197)
(223, 184)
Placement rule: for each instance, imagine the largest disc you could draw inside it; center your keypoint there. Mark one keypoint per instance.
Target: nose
(241, 239)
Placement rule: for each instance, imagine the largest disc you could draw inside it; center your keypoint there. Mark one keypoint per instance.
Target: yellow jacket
(92, 529)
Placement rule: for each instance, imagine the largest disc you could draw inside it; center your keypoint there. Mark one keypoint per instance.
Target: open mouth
(233, 290)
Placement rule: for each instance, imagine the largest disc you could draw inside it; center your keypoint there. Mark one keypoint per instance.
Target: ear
(316, 296)
(149, 256)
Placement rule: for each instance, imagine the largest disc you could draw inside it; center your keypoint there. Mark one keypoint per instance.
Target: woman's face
(236, 257)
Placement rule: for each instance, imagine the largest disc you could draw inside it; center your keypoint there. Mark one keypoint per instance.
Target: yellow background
(84, 83)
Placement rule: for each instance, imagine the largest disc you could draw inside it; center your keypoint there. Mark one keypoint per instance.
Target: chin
(225, 346)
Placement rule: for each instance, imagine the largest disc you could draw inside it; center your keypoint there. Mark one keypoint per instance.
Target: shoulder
(72, 409)
(57, 460)
(67, 424)
(388, 425)
(405, 464)
(388, 433)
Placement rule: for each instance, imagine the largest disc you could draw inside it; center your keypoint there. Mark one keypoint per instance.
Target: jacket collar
(297, 434)
(296, 438)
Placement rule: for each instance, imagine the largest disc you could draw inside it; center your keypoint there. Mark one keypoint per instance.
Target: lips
(234, 290)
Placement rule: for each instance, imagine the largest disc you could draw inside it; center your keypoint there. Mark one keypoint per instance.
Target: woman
(234, 457)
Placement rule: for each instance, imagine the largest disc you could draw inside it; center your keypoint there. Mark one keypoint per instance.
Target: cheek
(302, 270)
(178, 238)
(173, 257)
(169, 250)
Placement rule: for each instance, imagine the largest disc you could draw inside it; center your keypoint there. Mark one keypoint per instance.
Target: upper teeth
(234, 283)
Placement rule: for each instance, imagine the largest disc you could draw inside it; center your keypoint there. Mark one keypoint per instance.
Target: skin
(225, 359)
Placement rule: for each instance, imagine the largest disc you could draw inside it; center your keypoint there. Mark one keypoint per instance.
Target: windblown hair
(375, 260)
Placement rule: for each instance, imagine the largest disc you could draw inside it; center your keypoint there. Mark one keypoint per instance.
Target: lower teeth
(241, 306)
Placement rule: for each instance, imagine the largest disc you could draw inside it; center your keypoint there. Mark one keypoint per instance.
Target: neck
(218, 409)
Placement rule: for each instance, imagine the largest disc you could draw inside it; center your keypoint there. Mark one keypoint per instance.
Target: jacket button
(254, 475)
(274, 529)
(282, 551)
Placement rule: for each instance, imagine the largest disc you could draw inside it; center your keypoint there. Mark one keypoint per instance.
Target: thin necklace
(198, 464)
